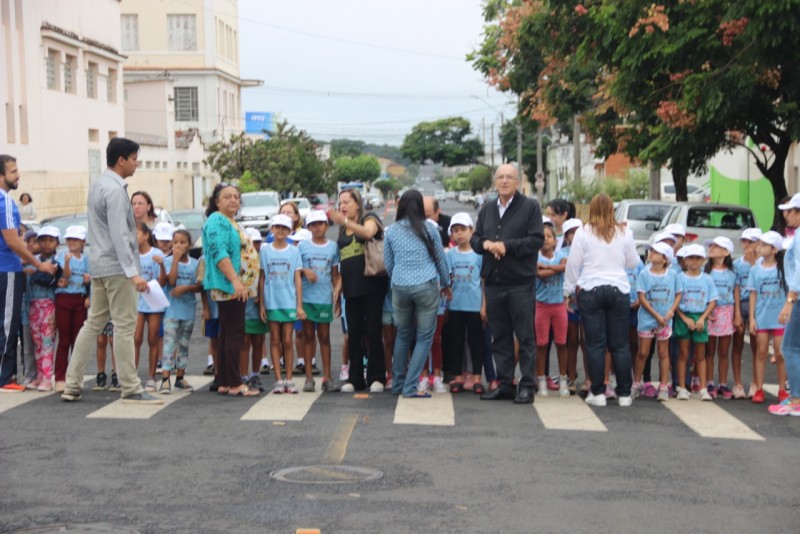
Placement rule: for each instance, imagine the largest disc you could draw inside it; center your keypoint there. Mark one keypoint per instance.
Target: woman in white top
(598, 257)
(26, 209)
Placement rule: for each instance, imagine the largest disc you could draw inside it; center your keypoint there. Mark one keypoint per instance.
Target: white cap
(661, 236)
(75, 231)
(675, 229)
(774, 239)
(316, 216)
(681, 252)
(751, 234)
(721, 241)
(794, 203)
(49, 230)
(547, 220)
(461, 218)
(164, 231)
(571, 224)
(253, 234)
(663, 249)
(281, 220)
(694, 250)
(301, 235)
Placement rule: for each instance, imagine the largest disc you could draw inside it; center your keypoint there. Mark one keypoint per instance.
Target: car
(303, 205)
(257, 208)
(192, 221)
(706, 221)
(373, 201)
(452, 195)
(62, 222)
(465, 196)
(694, 193)
(440, 194)
(320, 201)
(637, 214)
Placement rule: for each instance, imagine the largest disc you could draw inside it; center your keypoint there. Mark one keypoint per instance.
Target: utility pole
(576, 148)
(520, 168)
(492, 130)
(483, 135)
(539, 182)
(655, 181)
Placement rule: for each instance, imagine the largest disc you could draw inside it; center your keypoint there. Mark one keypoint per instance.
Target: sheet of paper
(155, 298)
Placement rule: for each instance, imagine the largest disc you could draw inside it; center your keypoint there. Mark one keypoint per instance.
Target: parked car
(320, 201)
(706, 221)
(303, 205)
(192, 221)
(637, 214)
(465, 196)
(63, 222)
(257, 208)
(694, 193)
(440, 194)
(373, 201)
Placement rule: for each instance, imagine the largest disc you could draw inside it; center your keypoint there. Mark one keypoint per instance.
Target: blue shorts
(211, 328)
(298, 325)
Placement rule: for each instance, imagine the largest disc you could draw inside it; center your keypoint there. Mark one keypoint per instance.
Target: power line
(326, 93)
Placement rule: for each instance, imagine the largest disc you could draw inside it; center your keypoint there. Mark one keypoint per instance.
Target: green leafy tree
(446, 141)
(363, 168)
(478, 179)
(228, 158)
(508, 144)
(347, 147)
(387, 186)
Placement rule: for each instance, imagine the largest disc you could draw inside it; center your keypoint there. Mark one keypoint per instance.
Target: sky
(366, 69)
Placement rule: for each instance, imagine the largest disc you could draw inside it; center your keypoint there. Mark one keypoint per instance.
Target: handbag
(373, 254)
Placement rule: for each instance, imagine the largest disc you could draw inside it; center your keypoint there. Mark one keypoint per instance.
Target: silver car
(257, 208)
(640, 216)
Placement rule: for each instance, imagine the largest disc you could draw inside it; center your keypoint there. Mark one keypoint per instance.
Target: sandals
(478, 389)
(456, 387)
(244, 391)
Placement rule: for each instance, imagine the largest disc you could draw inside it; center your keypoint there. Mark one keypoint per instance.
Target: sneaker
(347, 388)
(213, 387)
(44, 386)
(150, 385)
(785, 408)
(695, 384)
(60, 386)
(254, 382)
(595, 400)
(494, 384)
(439, 386)
(724, 392)
(424, 384)
(650, 391)
(624, 402)
(738, 392)
(278, 387)
(663, 393)
(711, 389)
(330, 386)
(637, 389)
(300, 369)
(70, 396)
(376, 387)
(314, 370)
(344, 374)
(752, 391)
(310, 386)
(389, 382)
(552, 385)
(100, 383)
(758, 397)
(704, 395)
(114, 386)
(563, 386)
(140, 398)
(159, 369)
(209, 370)
(289, 387)
(543, 387)
(610, 393)
(782, 395)
(31, 384)
(683, 394)
(182, 384)
(166, 387)
(264, 369)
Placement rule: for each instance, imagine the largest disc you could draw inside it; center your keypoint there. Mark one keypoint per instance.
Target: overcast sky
(365, 69)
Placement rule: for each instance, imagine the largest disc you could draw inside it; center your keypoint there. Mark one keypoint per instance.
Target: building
(61, 94)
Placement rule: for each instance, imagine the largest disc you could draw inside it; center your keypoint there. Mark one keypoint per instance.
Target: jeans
(420, 302)
(511, 311)
(605, 313)
(791, 351)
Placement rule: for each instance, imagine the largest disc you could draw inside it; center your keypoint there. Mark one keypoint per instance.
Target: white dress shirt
(593, 262)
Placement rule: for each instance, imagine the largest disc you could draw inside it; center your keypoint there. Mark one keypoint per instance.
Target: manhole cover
(77, 529)
(326, 474)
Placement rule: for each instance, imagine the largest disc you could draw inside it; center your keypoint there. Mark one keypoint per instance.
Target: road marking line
(338, 445)
(9, 401)
(567, 414)
(282, 407)
(119, 410)
(772, 389)
(435, 411)
(710, 421)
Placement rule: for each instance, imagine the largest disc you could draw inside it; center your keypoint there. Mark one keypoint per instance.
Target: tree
(387, 186)
(346, 147)
(479, 179)
(508, 144)
(228, 158)
(443, 141)
(363, 168)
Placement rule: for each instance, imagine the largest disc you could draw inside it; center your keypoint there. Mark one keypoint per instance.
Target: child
(152, 262)
(210, 316)
(633, 334)
(297, 237)
(659, 295)
(388, 334)
(697, 302)
(574, 326)
(320, 273)
(551, 312)
(71, 298)
(767, 287)
(435, 380)
(179, 278)
(42, 311)
(282, 295)
(467, 307)
(742, 266)
(255, 330)
(105, 340)
(30, 380)
(726, 316)
(163, 233)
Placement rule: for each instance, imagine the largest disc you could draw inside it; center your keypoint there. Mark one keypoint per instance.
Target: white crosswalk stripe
(567, 414)
(282, 407)
(13, 400)
(709, 420)
(435, 411)
(120, 410)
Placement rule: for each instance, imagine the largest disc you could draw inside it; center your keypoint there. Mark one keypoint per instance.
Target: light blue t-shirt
(182, 307)
(550, 290)
(77, 267)
(742, 269)
(465, 272)
(150, 271)
(675, 267)
(633, 275)
(725, 281)
(770, 296)
(660, 291)
(321, 259)
(698, 292)
(279, 267)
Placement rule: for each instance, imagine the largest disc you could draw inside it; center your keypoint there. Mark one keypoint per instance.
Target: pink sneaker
(610, 393)
(650, 391)
(695, 384)
(785, 408)
(552, 385)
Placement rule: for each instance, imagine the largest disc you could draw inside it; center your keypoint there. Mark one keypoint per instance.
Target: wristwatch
(791, 300)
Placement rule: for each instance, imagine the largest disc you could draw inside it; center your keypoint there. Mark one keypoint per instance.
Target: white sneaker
(596, 400)
(683, 394)
(375, 387)
(636, 389)
(344, 374)
(348, 388)
(542, 386)
(563, 386)
(424, 385)
(438, 385)
(704, 395)
(624, 402)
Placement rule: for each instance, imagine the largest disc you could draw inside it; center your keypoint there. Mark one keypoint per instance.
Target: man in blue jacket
(509, 234)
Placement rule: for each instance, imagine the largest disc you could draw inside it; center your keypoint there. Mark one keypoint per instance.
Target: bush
(633, 185)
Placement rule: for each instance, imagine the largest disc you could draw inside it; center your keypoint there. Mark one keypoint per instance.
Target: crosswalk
(709, 420)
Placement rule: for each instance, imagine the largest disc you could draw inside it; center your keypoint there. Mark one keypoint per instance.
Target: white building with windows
(61, 94)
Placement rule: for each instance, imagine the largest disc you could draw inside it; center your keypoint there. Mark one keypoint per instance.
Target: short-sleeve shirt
(770, 296)
(150, 271)
(352, 264)
(40, 292)
(9, 220)
(742, 269)
(465, 271)
(77, 268)
(660, 291)
(725, 280)
(321, 259)
(182, 307)
(279, 267)
(633, 275)
(550, 290)
(698, 292)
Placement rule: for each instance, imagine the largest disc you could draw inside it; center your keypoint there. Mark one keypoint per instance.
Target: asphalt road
(203, 463)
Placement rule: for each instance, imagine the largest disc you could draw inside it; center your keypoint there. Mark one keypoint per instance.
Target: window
(94, 135)
(53, 74)
(111, 85)
(70, 68)
(186, 104)
(130, 32)
(182, 32)
(91, 80)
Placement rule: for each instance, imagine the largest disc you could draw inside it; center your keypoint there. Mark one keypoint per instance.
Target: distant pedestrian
(143, 209)
(26, 211)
